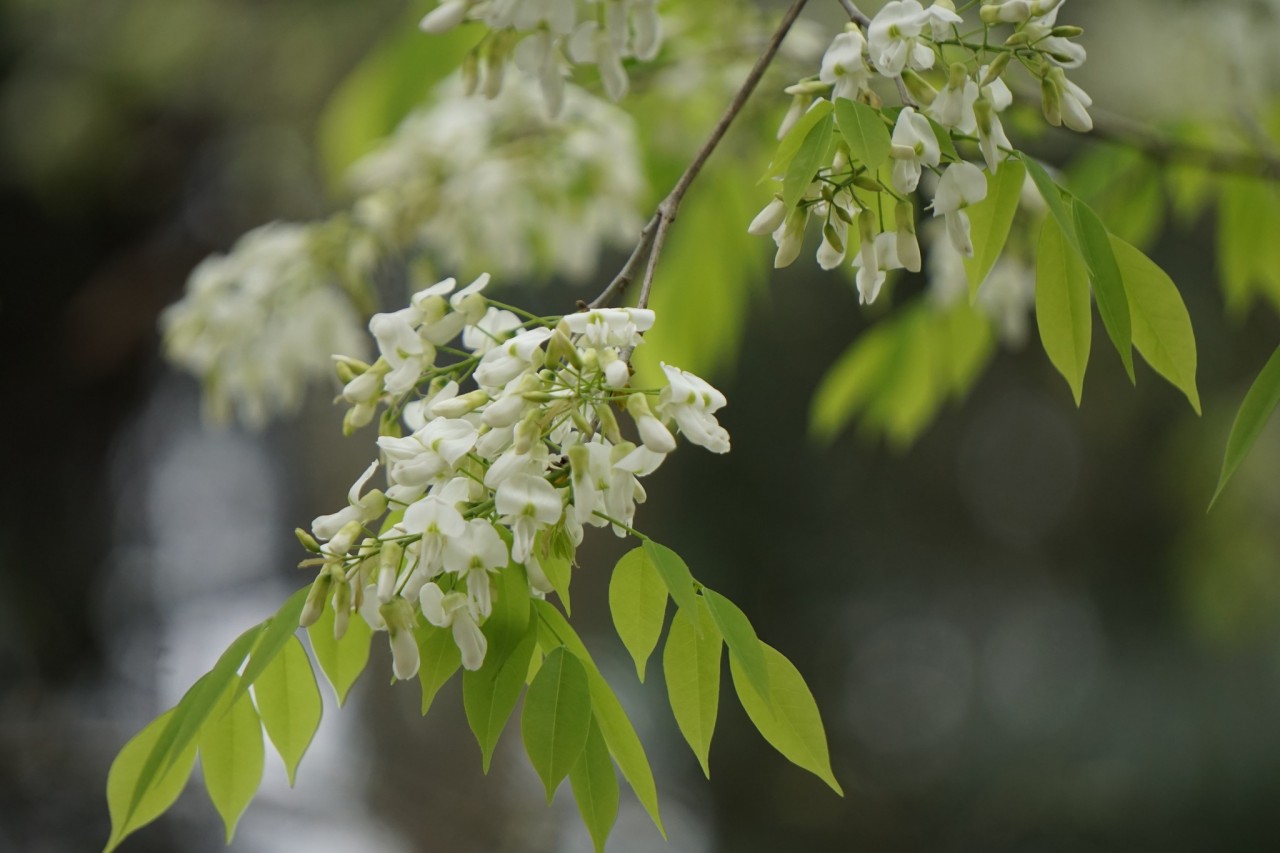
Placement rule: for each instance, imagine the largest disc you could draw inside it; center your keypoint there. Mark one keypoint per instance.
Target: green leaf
(1248, 253)
(967, 343)
(691, 664)
(1054, 197)
(989, 222)
(289, 701)
(675, 574)
(853, 380)
(1161, 325)
(438, 657)
(1259, 403)
(189, 716)
(559, 571)
(508, 624)
(279, 630)
(1108, 284)
(620, 736)
(814, 153)
(1063, 312)
(595, 787)
(790, 722)
(740, 637)
(945, 144)
(638, 604)
(556, 718)
(160, 792)
(343, 660)
(795, 137)
(490, 693)
(864, 132)
(231, 755)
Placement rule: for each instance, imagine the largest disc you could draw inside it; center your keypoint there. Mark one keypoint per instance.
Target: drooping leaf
(990, 219)
(1054, 196)
(620, 736)
(508, 625)
(1108, 284)
(675, 574)
(740, 637)
(967, 342)
(638, 604)
(556, 718)
(343, 660)
(281, 628)
(790, 722)
(595, 788)
(795, 137)
(439, 658)
(490, 693)
(1161, 325)
(1248, 253)
(1063, 312)
(852, 380)
(123, 779)
(691, 664)
(945, 143)
(864, 132)
(232, 757)
(559, 572)
(289, 701)
(1260, 401)
(814, 153)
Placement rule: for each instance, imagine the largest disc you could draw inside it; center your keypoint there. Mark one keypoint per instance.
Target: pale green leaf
(990, 219)
(1063, 312)
(623, 742)
(279, 630)
(675, 574)
(556, 717)
(795, 137)
(1161, 325)
(559, 571)
(740, 637)
(1255, 411)
(691, 664)
(1059, 204)
(945, 144)
(490, 693)
(343, 660)
(966, 344)
(814, 153)
(852, 380)
(1108, 284)
(438, 659)
(289, 701)
(638, 604)
(790, 722)
(595, 788)
(1248, 252)
(232, 757)
(508, 624)
(128, 815)
(864, 132)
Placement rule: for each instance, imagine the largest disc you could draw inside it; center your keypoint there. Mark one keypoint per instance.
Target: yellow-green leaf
(1063, 312)
(559, 571)
(289, 701)
(1108, 284)
(638, 604)
(438, 658)
(127, 816)
(691, 664)
(1059, 204)
(790, 722)
(740, 637)
(795, 137)
(989, 221)
(490, 693)
(231, 756)
(595, 788)
(343, 660)
(1161, 325)
(674, 572)
(278, 631)
(1259, 403)
(814, 153)
(556, 717)
(864, 132)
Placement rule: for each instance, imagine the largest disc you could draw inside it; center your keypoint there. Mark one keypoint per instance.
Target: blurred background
(1024, 631)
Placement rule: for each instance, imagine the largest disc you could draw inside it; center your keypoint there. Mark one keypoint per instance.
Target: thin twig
(654, 235)
(855, 14)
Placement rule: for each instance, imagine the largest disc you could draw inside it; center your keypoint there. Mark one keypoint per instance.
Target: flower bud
(790, 237)
(995, 69)
(769, 219)
(342, 541)
(799, 106)
(560, 347)
(918, 87)
(341, 608)
(444, 17)
(316, 598)
(616, 372)
(389, 570)
(307, 540)
(1067, 32)
(905, 231)
(1051, 100)
(459, 406)
(527, 432)
(608, 423)
(653, 434)
(1009, 12)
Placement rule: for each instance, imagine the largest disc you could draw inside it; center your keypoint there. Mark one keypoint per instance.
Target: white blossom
(961, 185)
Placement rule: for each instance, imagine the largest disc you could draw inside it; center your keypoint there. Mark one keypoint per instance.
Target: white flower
(404, 350)
(953, 107)
(789, 237)
(590, 470)
(1066, 103)
(992, 141)
(1060, 50)
(691, 401)
(893, 36)
(843, 66)
(444, 17)
(362, 509)
(436, 520)
(610, 327)
(503, 363)
(914, 146)
(426, 454)
(940, 18)
(527, 504)
(961, 185)
(478, 551)
(456, 610)
(769, 219)
(874, 259)
(490, 331)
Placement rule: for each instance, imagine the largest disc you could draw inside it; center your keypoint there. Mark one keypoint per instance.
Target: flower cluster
(545, 38)
(507, 473)
(952, 92)
(460, 171)
(259, 322)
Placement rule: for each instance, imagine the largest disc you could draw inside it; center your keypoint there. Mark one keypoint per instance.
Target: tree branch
(654, 235)
(855, 14)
